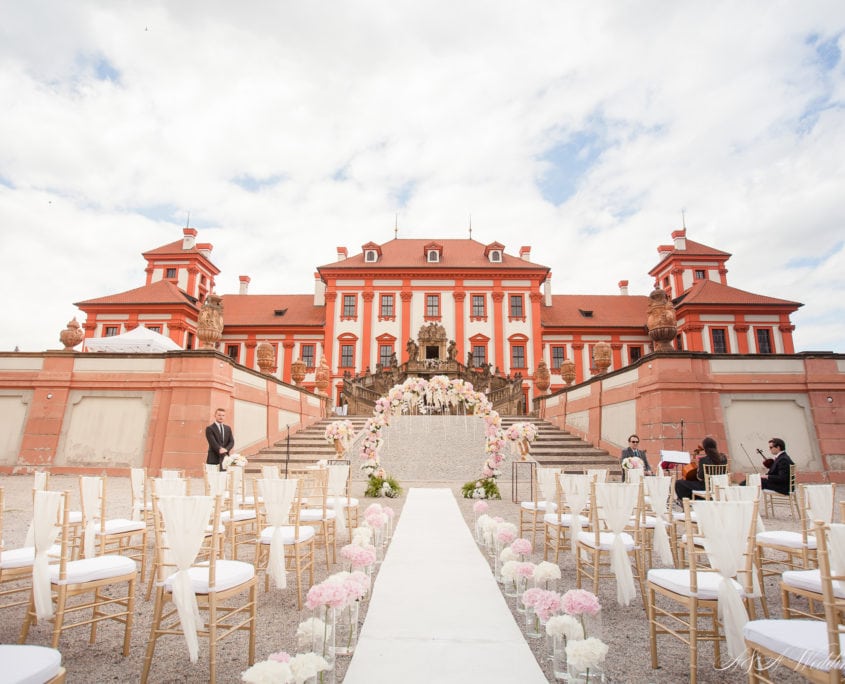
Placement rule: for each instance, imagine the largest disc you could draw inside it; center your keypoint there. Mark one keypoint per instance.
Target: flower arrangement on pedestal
(236, 460)
(521, 434)
(281, 668)
(632, 463)
(340, 434)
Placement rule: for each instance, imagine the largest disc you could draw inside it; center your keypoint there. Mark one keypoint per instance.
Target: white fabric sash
(576, 490)
(754, 480)
(170, 475)
(547, 485)
(633, 475)
(136, 476)
(746, 493)
(91, 492)
(39, 483)
(726, 526)
(819, 502)
(616, 502)
(338, 477)
(836, 550)
(185, 521)
(44, 517)
(658, 494)
(278, 498)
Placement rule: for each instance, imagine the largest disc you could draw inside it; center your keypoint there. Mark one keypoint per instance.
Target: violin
(767, 462)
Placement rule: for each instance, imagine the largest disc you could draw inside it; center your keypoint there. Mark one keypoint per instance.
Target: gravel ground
(624, 629)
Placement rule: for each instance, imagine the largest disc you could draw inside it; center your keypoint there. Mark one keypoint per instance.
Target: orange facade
(498, 308)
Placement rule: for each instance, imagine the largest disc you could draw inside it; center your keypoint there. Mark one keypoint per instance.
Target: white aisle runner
(436, 613)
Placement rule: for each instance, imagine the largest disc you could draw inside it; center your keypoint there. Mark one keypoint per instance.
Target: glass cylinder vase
(533, 626)
(346, 629)
(322, 642)
(509, 587)
(378, 543)
(592, 625)
(591, 675)
(522, 584)
(559, 668)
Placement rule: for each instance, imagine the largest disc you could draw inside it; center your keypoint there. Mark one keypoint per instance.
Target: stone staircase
(553, 447)
(306, 446)
(557, 448)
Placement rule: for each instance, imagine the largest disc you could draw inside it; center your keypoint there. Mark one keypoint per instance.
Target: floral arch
(417, 396)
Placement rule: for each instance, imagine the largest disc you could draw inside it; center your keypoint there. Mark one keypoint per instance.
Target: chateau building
(497, 307)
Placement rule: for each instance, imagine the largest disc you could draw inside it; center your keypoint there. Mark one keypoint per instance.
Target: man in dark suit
(777, 479)
(220, 439)
(633, 451)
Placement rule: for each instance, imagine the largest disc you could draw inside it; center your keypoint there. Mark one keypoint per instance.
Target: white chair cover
(633, 475)
(278, 498)
(719, 482)
(547, 485)
(39, 483)
(600, 474)
(576, 491)
(185, 521)
(820, 502)
(657, 489)
(171, 487)
(211, 468)
(91, 491)
(136, 476)
(218, 483)
(754, 480)
(270, 472)
(739, 493)
(44, 517)
(170, 474)
(338, 476)
(725, 526)
(617, 501)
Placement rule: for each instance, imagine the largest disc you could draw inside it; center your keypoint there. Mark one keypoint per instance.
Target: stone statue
(469, 359)
(412, 349)
(393, 361)
(452, 350)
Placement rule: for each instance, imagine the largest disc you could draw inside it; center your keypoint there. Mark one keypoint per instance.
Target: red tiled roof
(173, 248)
(260, 310)
(409, 253)
(711, 292)
(159, 292)
(628, 311)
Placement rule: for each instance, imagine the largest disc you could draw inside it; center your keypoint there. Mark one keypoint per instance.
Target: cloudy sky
(289, 128)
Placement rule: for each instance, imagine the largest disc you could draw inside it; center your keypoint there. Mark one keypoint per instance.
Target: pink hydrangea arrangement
(480, 507)
(359, 556)
(580, 602)
(521, 547)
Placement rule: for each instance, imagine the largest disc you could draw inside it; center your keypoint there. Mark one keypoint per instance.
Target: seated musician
(712, 456)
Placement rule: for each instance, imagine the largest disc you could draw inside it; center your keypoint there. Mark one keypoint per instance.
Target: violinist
(712, 456)
(777, 479)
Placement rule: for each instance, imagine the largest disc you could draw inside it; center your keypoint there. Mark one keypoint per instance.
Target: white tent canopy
(139, 340)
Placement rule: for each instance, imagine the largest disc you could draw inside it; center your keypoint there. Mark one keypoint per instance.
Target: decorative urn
(542, 377)
(662, 323)
(321, 376)
(567, 371)
(210, 322)
(266, 355)
(297, 371)
(72, 335)
(601, 357)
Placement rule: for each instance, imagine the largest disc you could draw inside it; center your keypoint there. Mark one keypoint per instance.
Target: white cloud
(121, 118)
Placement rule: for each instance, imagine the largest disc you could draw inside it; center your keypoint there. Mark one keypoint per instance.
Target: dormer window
(371, 256)
(495, 256)
(433, 256)
(433, 252)
(494, 252)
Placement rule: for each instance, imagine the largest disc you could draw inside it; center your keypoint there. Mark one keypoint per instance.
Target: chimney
(680, 238)
(319, 291)
(244, 284)
(623, 287)
(205, 249)
(342, 253)
(189, 238)
(525, 252)
(665, 250)
(547, 291)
